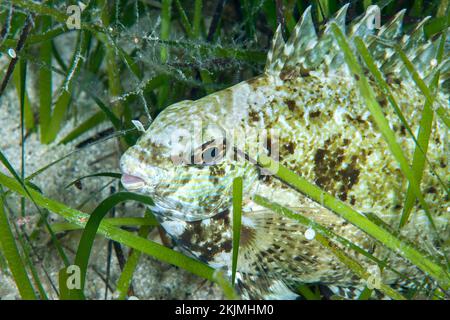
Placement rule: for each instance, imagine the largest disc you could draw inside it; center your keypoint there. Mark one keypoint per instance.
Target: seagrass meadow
(315, 165)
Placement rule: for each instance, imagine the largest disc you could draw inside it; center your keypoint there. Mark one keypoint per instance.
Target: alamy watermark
(74, 20)
(374, 279)
(374, 14)
(73, 281)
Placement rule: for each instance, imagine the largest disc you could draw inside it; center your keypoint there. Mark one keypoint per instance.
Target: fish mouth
(132, 182)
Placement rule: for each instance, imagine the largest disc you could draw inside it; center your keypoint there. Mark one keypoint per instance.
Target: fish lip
(132, 181)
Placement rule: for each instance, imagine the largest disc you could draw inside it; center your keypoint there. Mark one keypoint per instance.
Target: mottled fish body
(307, 101)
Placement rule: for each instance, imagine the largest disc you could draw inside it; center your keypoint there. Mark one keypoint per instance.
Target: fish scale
(308, 101)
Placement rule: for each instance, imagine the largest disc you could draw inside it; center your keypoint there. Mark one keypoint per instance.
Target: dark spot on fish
(223, 216)
(287, 74)
(431, 190)
(265, 178)
(356, 77)
(227, 245)
(349, 176)
(358, 119)
(289, 147)
(247, 236)
(188, 234)
(391, 79)
(78, 185)
(382, 101)
(216, 171)
(254, 116)
(270, 260)
(315, 114)
(304, 72)
(290, 104)
(402, 130)
(343, 194)
(328, 175)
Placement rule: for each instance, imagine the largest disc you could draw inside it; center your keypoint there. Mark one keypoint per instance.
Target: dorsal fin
(411, 44)
(423, 61)
(302, 39)
(274, 62)
(393, 29)
(389, 32)
(306, 51)
(323, 47)
(364, 27)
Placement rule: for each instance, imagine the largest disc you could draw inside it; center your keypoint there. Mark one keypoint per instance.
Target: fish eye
(210, 153)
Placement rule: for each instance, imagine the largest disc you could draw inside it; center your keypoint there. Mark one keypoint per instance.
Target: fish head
(186, 160)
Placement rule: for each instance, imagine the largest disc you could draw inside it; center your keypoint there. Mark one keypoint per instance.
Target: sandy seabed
(152, 279)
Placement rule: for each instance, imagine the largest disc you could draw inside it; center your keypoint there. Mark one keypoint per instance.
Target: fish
(304, 111)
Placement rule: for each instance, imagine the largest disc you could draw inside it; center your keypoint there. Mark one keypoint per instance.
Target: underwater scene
(224, 150)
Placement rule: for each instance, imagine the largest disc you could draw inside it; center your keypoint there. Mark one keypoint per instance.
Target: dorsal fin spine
(274, 62)
(305, 50)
